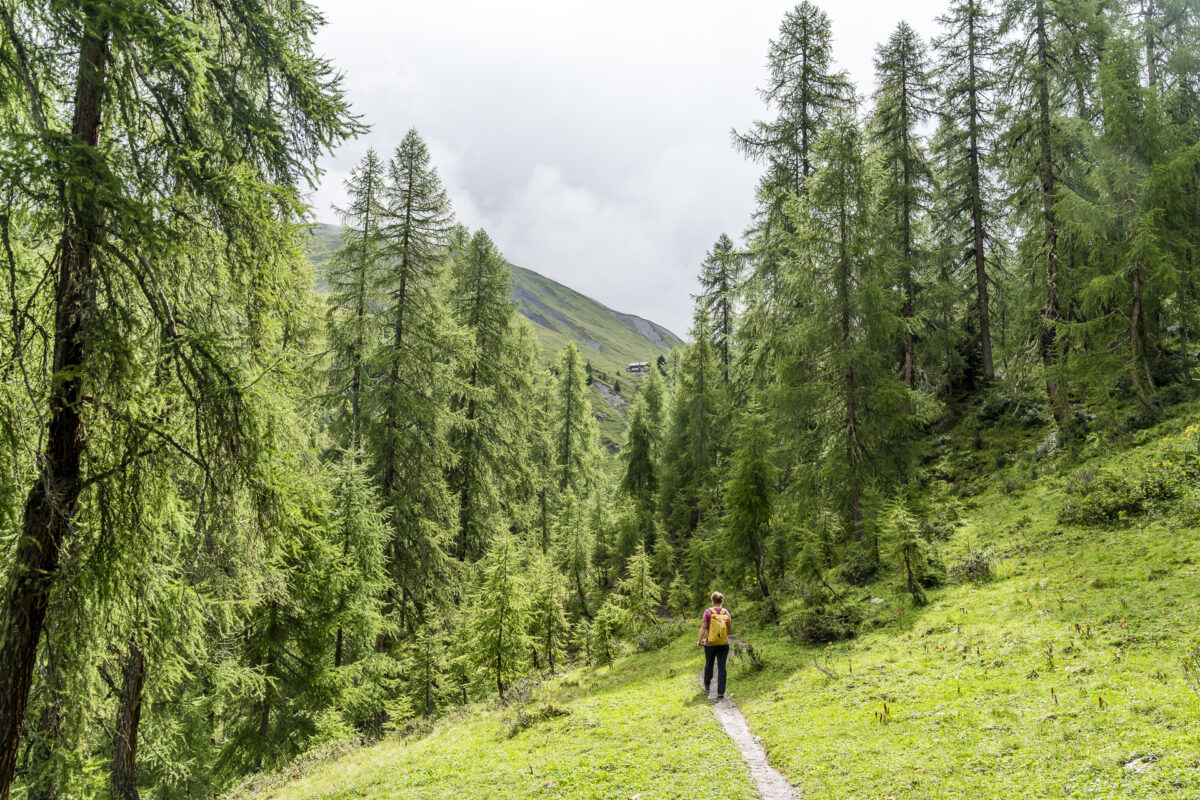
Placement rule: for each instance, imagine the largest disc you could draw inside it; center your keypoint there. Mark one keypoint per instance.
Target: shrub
(745, 653)
(768, 611)
(526, 716)
(1105, 497)
(1175, 393)
(976, 566)
(936, 530)
(659, 635)
(861, 566)
(825, 624)
(1013, 403)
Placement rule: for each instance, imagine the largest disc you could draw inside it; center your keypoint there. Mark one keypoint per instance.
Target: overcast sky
(590, 139)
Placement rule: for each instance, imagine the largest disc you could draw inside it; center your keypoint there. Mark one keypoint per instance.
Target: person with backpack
(714, 638)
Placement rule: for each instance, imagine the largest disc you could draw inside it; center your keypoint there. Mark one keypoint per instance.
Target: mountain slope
(1054, 667)
(609, 340)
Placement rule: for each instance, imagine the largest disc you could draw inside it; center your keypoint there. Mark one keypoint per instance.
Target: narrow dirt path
(769, 781)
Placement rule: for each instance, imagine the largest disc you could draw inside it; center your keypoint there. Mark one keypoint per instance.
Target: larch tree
(963, 152)
(720, 283)
(803, 89)
(168, 137)
(690, 451)
(548, 620)
(749, 494)
(499, 622)
(858, 410)
(410, 436)
(487, 444)
(642, 595)
(354, 282)
(575, 439)
(640, 478)
(1041, 76)
(903, 102)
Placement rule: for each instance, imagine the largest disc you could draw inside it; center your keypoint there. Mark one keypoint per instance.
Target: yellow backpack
(718, 627)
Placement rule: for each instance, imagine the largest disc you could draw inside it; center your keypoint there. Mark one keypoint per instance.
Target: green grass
(639, 727)
(968, 679)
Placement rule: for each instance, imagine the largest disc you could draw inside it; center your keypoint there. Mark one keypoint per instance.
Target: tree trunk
(52, 499)
(760, 567)
(978, 239)
(1051, 313)
(1135, 335)
(129, 713)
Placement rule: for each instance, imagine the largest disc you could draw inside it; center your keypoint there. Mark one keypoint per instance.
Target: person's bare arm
(703, 633)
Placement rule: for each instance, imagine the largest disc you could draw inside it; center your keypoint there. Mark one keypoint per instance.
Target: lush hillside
(1049, 665)
(608, 340)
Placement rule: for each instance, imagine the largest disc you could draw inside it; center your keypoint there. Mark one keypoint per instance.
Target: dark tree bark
(129, 713)
(52, 499)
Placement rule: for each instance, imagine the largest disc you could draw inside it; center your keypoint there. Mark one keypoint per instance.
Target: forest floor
(1057, 677)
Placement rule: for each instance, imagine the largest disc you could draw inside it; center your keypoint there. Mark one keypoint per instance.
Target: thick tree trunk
(129, 714)
(52, 499)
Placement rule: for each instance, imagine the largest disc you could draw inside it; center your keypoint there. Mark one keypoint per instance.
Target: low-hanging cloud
(591, 140)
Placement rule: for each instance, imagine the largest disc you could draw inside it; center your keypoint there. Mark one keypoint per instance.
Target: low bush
(660, 634)
(825, 624)
(745, 653)
(861, 566)
(526, 716)
(1011, 403)
(1098, 498)
(977, 566)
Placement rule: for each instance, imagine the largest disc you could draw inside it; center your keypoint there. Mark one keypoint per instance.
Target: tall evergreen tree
(963, 151)
(902, 104)
(640, 478)
(354, 300)
(803, 89)
(749, 498)
(720, 279)
(1127, 267)
(488, 446)
(575, 426)
(858, 410)
(168, 137)
(410, 440)
(1045, 79)
(690, 451)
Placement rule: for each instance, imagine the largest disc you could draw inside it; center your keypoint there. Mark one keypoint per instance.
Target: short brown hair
(717, 598)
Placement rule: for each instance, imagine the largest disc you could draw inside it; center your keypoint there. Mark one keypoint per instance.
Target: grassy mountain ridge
(607, 339)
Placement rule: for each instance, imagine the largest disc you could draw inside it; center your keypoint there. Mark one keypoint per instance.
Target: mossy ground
(639, 727)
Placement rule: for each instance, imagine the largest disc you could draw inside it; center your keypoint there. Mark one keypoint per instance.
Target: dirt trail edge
(769, 781)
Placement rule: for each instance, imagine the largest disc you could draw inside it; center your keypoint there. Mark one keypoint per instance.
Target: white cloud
(590, 139)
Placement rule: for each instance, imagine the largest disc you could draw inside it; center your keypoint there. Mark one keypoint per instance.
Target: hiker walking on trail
(714, 638)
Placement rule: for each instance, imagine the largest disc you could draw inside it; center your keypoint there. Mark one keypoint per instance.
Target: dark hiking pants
(717, 653)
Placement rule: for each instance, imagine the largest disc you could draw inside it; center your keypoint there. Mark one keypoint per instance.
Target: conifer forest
(251, 506)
